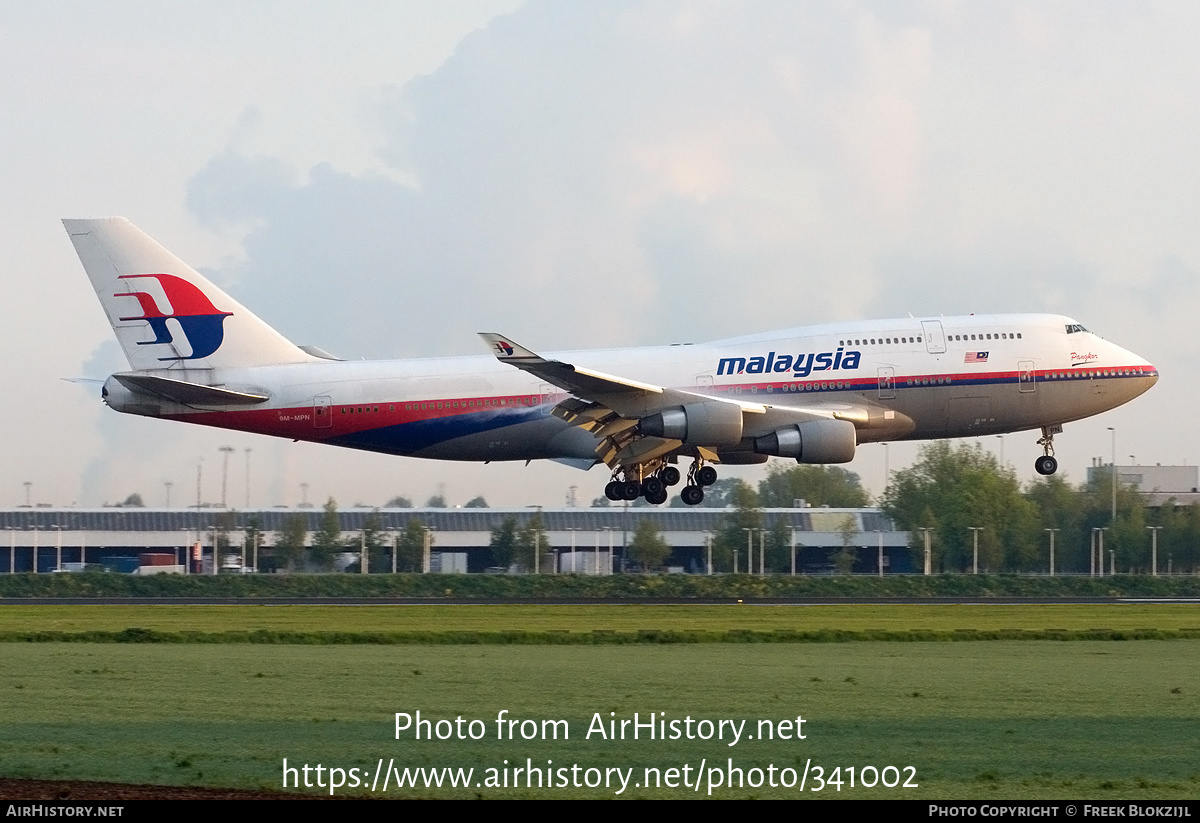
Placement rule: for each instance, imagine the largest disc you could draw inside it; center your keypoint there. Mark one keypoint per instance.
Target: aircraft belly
(541, 438)
(974, 411)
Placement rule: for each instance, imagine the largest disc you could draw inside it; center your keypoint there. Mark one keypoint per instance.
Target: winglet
(505, 349)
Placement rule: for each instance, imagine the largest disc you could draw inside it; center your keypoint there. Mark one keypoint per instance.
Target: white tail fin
(165, 313)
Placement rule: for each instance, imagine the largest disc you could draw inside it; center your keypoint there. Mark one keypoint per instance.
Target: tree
(410, 547)
(327, 541)
(289, 548)
(1060, 506)
(731, 536)
(476, 503)
(398, 502)
(817, 485)
(959, 487)
(133, 501)
(531, 538)
(844, 560)
(647, 548)
(373, 538)
(437, 501)
(504, 542)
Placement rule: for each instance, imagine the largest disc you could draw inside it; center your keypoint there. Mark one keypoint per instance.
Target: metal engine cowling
(814, 441)
(697, 424)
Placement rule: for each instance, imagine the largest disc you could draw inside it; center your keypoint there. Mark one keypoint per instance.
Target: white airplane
(811, 394)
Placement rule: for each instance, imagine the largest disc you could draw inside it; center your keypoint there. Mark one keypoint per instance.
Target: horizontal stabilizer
(189, 394)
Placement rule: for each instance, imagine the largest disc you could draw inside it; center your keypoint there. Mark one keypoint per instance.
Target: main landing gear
(628, 486)
(1046, 464)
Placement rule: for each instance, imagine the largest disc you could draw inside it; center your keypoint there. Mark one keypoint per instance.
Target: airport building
(580, 540)
(1157, 484)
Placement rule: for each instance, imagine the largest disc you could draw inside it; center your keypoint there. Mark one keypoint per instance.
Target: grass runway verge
(570, 624)
(991, 720)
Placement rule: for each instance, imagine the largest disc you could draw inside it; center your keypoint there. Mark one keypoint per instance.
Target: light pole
(1000, 437)
(887, 466)
(794, 548)
(226, 450)
(1097, 552)
(975, 530)
(247, 477)
(928, 551)
(880, 533)
(28, 490)
(762, 552)
(167, 484)
(1153, 549)
(1114, 489)
(749, 550)
(1052, 531)
(199, 475)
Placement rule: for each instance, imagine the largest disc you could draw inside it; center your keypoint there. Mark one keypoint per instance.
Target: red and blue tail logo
(201, 323)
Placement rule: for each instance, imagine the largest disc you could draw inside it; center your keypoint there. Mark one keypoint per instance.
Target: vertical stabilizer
(166, 315)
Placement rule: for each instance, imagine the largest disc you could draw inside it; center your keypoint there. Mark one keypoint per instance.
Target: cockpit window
(1074, 327)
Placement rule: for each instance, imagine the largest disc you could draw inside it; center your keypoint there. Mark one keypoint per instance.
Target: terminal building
(580, 540)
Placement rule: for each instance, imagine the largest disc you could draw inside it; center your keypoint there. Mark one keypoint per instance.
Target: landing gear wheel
(613, 490)
(655, 498)
(669, 475)
(631, 490)
(1045, 465)
(653, 487)
(706, 476)
(692, 495)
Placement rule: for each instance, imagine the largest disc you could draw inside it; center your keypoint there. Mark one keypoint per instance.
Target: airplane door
(704, 382)
(322, 412)
(887, 382)
(545, 390)
(935, 338)
(1025, 369)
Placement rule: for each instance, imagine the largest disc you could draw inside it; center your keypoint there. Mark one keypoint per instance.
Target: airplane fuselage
(917, 379)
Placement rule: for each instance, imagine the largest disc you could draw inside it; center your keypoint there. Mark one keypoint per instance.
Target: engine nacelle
(815, 441)
(697, 424)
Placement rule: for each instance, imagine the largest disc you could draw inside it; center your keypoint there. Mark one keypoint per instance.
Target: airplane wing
(629, 418)
(629, 399)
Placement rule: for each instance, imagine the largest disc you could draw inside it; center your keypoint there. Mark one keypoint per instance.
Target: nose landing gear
(1047, 464)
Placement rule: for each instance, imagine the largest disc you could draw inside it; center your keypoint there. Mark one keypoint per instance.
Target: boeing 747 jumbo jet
(811, 394)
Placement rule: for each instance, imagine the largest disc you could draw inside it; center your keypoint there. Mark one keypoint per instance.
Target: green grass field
(542, 618)
(996, 719)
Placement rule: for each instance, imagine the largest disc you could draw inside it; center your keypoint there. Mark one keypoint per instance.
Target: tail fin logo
(200, 322)
(502, 348)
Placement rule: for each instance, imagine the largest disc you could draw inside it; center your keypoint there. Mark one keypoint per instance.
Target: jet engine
(814, 441)
(697, 424)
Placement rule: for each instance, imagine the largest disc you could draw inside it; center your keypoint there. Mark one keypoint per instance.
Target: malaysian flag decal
(976, 357)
